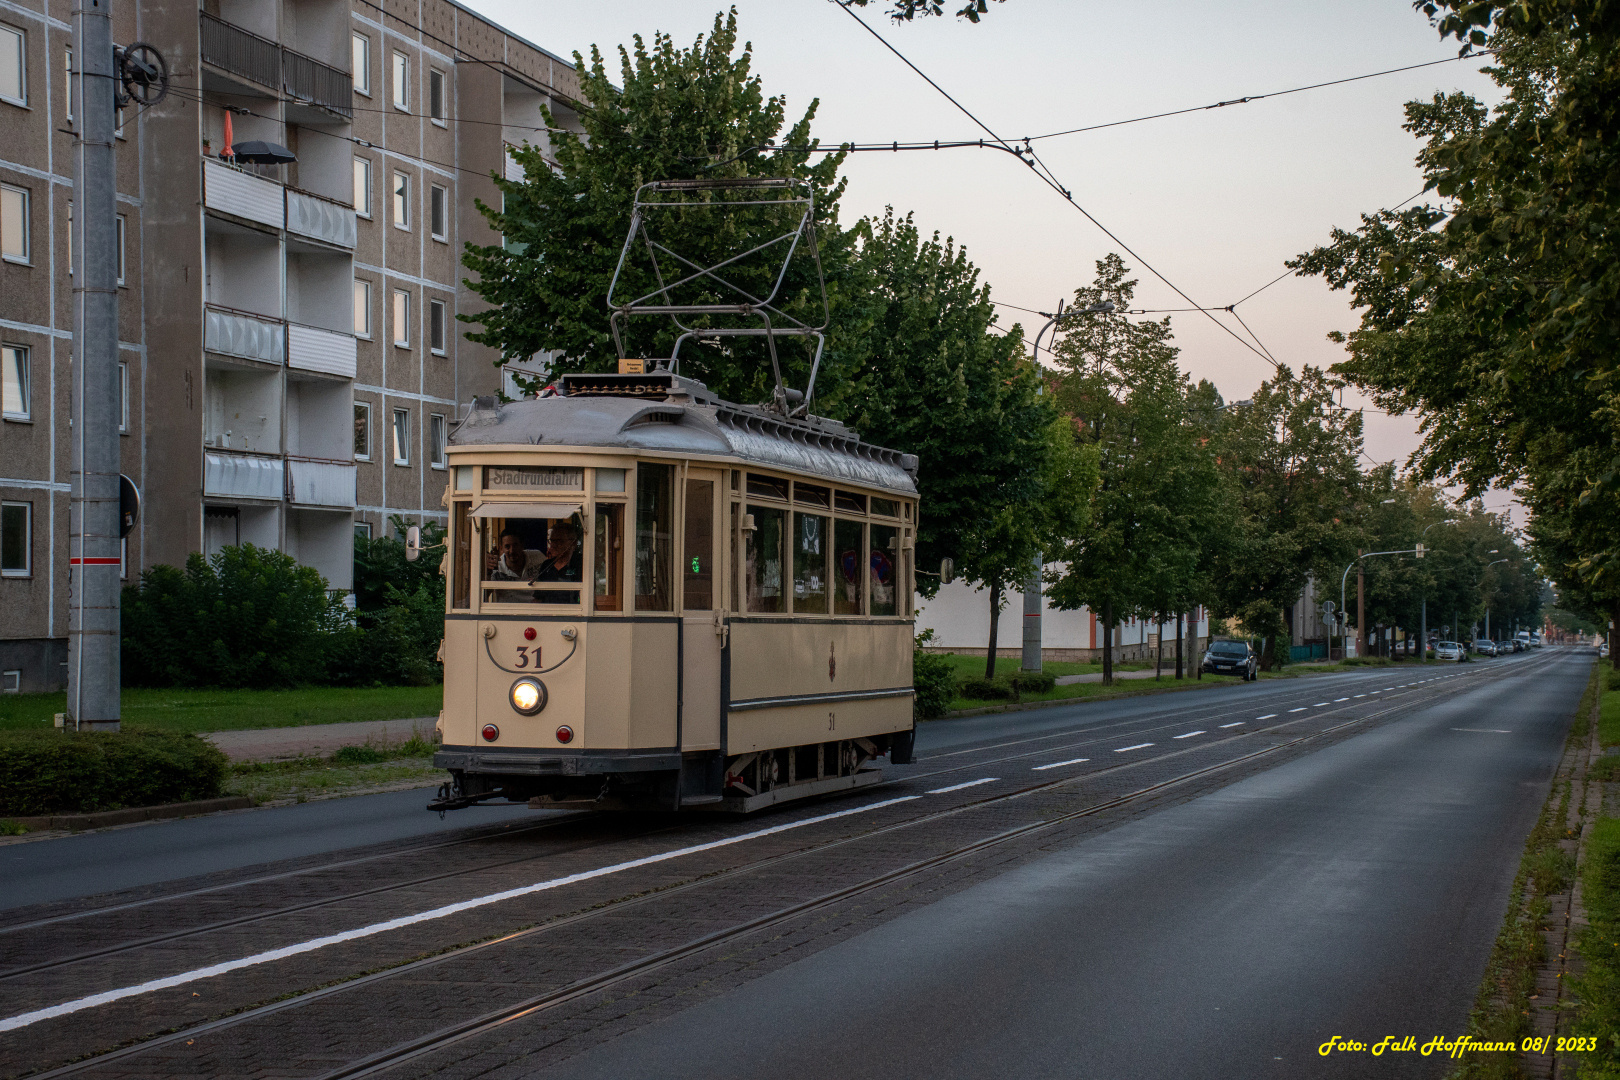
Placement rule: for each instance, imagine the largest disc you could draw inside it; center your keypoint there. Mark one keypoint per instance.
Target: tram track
(1093, 739)
(604, 980)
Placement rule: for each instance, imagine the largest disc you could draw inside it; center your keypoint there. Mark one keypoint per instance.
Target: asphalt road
(112, 860)
(1354, 891)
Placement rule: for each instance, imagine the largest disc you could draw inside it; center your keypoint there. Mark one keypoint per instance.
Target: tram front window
(655, 523)
(884, 558)
(523, 557)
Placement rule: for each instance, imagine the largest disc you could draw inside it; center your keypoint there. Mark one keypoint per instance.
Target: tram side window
(810, 564)
(764, 559)
(609, 572)
(847, 548)
(522, 556)
(462, 596)
(655, 523)
(697, 569)
(884, 558)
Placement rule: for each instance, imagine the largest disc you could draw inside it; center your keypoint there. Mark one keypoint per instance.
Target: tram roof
(668, 413)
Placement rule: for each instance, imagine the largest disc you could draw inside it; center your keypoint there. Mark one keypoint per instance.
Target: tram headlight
(528, 696)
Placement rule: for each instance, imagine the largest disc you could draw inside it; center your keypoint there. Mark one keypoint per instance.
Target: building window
(360, 63)
(13, 66)
(14, 243)
(362, 309)
(440, 203)
(362, 529)
(14, 382)
(436, 326)
(436, 96)
(402, 201)
(11, 682)
(436, 439)
(123, 397)
(16, 543)
(402, 318)
(67, 66)
(70, 237)
(402, 98)
(120, 249)
(402, 437)
(362, 186)
(362, 431)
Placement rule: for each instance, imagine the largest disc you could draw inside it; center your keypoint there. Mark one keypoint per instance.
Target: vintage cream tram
(722, 617)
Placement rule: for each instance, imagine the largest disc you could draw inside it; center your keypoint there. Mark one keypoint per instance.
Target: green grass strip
(199, 711)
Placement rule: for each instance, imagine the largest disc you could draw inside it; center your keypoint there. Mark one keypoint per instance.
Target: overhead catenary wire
(1052, 182)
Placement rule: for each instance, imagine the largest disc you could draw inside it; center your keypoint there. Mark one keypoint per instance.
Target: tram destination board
(533, 478)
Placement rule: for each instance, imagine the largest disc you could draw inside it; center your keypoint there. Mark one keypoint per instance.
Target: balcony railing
(242, 476)
(321, 218)
(312, 349)
(237, 333)
(234, 191)
(318, 482)
(267, 63)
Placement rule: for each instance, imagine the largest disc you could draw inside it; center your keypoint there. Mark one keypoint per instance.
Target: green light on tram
(695, 568)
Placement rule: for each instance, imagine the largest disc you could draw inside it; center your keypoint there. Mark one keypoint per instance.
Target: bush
(933, 679)
(985, 689)
(1611, 680)
(245, 617)
(1032, 682)
(358, 755)
(63, 772)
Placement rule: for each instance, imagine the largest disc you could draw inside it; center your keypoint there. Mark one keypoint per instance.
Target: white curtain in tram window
(402, 437)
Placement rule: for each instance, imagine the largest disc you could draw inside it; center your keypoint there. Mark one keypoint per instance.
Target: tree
(1158, 494)
(1290, 458)
(1001, 478)
(906, 10)
(677, 114)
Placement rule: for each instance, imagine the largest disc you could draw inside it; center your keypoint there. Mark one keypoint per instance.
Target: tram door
(701, 600)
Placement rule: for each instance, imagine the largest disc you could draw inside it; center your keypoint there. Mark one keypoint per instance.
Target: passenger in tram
(563, 561)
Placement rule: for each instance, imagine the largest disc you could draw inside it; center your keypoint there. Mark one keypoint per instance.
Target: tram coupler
(451, 798)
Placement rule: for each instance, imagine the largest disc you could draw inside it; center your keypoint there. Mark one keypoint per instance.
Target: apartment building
(289, 355)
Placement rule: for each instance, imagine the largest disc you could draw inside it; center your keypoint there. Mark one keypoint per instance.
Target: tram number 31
(523, 656)
(832, 721)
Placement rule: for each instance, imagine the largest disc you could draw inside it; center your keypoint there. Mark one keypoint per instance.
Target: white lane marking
(1375, 691)
(1060, 764)
(1239, 723)
(11, 1023)
(1361, 695)
(1485, 730)
(1300, 709)
(1138, 746)
(1268, 716)
(970, 783)
(1321, 704)
(1338, 699)
(1385, 688)
(1189, 734)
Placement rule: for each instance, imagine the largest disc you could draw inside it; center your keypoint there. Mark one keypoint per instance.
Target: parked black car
(1232, 658)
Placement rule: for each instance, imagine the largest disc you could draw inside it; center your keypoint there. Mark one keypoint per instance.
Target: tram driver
(563, 560)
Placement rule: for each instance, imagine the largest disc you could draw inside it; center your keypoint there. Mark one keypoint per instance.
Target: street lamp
(1346, 575)
(1482, 574)
(1032, 588)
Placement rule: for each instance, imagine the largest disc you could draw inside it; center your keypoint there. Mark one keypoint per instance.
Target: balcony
(244, 335)
(320, 218)
(241, 194)
(281, 70)
(318, 482)
(242, 476)
(311, 349)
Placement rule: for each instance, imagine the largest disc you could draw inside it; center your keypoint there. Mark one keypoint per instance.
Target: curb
(108, 818)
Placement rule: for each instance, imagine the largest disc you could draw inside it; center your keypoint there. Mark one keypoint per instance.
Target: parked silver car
(1485, 647)
(1447, 650)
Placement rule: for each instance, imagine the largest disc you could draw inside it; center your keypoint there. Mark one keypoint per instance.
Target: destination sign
(526, 478)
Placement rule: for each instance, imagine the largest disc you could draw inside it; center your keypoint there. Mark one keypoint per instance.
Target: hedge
(933, 680)
(67, 772)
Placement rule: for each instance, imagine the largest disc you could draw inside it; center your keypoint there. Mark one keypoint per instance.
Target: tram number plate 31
(523, 657)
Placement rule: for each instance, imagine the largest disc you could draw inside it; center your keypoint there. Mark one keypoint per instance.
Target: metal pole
(1361, 610)
(1032, 618)
(1423, 639)
(93, 540)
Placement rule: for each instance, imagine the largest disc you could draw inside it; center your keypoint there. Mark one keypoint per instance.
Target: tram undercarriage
(745, 783)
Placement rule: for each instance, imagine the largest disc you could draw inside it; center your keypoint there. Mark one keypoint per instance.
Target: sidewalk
(1169, 673)
(315, 740)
